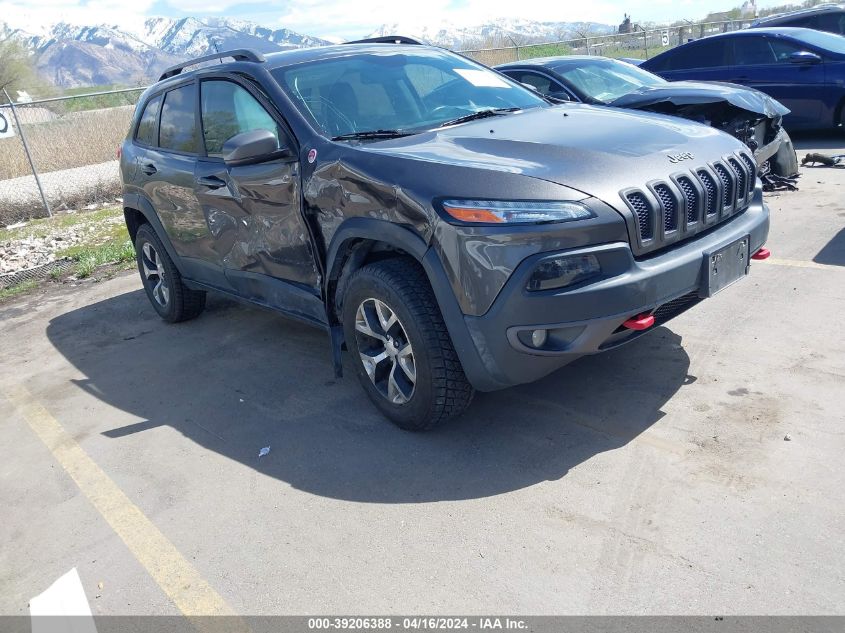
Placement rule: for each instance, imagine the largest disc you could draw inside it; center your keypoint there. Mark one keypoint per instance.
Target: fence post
(28, 155)
(645, 42)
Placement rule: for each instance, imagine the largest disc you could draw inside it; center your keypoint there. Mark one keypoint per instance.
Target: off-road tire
(441, 390)
(182, 303)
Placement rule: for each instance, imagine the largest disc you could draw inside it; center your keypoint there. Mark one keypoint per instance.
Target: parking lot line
(180, 580)
(798, 263)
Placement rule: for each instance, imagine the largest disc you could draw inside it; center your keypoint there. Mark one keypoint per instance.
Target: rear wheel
(170, 297)
(403, 354)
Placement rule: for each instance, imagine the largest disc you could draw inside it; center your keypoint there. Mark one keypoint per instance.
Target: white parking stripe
(65, 597)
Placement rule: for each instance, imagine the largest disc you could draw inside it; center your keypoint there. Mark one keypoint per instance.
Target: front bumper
(587, 319)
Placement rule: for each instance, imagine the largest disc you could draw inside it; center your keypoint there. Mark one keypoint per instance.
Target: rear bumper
(587, 319)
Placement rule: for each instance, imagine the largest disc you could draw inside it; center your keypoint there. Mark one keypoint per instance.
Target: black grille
(674, 307)
(741, 177)
(710, 192)
(727, 185)
(670, 208)
(752, 169)
(642, 209)
(691, 198)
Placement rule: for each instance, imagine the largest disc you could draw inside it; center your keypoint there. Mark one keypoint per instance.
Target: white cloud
(35, 16)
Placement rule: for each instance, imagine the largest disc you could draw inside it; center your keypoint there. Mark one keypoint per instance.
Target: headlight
(563, 271)
(514, 212)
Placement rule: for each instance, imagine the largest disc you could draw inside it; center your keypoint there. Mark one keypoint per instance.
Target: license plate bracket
(725, 266)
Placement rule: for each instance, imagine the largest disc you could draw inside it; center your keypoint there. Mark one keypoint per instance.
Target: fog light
(563, 271)
(539, 338)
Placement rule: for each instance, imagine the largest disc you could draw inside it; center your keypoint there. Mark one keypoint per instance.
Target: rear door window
(147, 127)
(702, 54)
(179, 120)
(753, 51)
(228, 110)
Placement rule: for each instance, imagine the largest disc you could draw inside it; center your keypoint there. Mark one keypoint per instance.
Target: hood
(685, 93)
(595, 150)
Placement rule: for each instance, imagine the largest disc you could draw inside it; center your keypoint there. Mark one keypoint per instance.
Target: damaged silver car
(747, 114)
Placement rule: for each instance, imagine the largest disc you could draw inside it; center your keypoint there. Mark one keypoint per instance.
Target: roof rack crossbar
(387, 39)
(239, 55)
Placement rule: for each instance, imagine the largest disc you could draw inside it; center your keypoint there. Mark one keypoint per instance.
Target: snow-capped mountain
(195, 36)
(494, 32)
(70, 55)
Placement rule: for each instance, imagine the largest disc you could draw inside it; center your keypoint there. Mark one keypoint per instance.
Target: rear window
(179, 120)
(147, 131)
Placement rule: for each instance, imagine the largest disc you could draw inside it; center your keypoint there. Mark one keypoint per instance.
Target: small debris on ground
(264, 451)
(787, 438)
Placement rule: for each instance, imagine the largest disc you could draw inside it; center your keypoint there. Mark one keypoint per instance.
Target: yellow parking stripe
(796, 263)
(180, 580)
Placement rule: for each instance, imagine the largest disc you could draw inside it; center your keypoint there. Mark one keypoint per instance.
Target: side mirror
(256, 146)
(804, 57)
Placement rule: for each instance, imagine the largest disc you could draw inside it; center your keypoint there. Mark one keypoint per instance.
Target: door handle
(149, 169)
(212, 182)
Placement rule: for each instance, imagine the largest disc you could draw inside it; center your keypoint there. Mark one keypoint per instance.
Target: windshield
(607, 80)
(828, 41)
(397, 90)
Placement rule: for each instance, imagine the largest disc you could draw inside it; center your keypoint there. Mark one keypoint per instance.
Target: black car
(827, 17)
(747, 114)
(449, 227)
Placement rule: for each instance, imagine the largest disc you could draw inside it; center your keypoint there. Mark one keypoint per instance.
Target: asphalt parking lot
(653, 479)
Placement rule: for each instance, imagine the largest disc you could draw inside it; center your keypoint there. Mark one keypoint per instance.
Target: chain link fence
(60, 153)
(639, 43)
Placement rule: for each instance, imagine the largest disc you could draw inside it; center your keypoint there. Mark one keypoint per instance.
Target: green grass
(14, 291)
(109, 244)
(106, 241)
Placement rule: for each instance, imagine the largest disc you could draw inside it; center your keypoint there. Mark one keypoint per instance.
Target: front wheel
(403, 355)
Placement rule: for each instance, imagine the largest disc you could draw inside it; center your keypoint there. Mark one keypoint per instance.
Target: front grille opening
(710, 191)
(741, 178)
(691, 198)
(641, 208)
(670, 208)
(727, 185)
(752, 169)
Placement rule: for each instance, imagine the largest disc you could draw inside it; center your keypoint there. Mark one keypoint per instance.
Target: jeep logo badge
(677, 158)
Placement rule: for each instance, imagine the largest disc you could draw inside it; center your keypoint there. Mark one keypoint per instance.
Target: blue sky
(355, 18)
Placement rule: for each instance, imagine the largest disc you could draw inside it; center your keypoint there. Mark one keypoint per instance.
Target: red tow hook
(639, 322)
(763, 253)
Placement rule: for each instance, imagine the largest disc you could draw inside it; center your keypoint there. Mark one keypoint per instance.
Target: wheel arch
(358, 242)
(137, 210)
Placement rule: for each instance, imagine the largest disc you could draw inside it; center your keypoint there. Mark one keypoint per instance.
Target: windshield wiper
(370, 134)
(481, 114)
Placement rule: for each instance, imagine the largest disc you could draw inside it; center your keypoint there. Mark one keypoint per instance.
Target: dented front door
(253, 211)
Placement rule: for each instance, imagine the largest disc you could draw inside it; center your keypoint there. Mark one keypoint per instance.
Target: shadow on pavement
(827, 141)
(238, 379)
(833, 252)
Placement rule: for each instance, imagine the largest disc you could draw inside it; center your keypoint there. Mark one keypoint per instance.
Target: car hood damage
(749, 115)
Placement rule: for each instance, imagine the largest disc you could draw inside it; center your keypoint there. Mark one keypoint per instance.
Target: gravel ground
(19, 197)
(38, 244)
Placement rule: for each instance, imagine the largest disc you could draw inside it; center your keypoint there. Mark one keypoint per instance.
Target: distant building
(626, 27)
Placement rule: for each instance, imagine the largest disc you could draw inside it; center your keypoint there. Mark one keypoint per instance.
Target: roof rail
(388, 39)
(239, 55)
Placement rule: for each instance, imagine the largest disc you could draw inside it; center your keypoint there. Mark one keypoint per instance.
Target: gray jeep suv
(444, 224)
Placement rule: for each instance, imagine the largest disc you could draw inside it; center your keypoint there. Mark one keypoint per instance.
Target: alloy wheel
(385, 351)
(154, 274)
